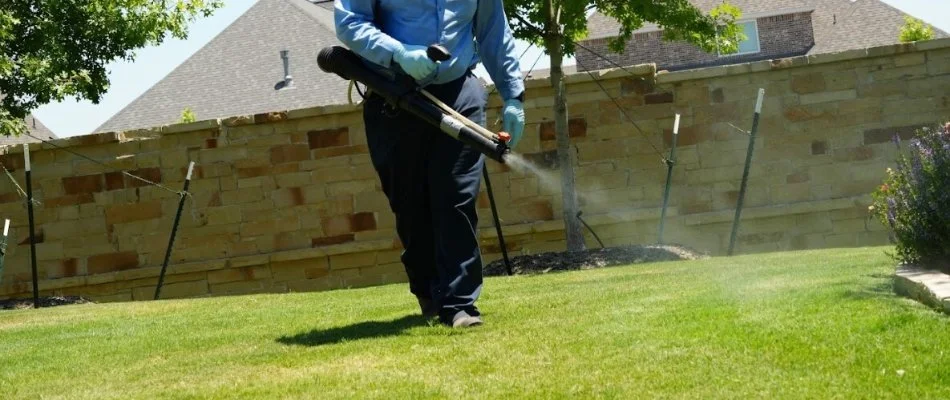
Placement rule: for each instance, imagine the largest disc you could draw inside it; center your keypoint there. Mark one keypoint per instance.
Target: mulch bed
(53, 301)
(541, 263)
(592, 258)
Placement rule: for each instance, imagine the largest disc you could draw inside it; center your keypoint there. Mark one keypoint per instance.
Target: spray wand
(406, 95)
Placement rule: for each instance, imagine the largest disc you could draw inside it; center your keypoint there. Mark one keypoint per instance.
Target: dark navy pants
(432, 182)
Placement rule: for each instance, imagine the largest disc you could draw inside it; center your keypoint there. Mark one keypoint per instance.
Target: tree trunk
(572, 227)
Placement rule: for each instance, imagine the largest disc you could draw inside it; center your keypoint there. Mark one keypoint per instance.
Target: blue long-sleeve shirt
(455, 24)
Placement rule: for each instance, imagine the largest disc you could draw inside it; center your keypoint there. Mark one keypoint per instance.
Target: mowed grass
(814, 324)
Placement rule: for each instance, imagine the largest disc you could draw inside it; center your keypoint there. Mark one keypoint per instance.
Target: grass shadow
(875, 291)
(358, 331)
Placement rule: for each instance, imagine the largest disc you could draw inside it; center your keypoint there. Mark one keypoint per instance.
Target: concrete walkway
(927, 286)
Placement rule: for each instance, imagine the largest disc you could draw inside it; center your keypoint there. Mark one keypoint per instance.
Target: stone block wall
(289, 201)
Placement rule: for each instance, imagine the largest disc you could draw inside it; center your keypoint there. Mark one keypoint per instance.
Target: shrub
(187, 116)
(914, 200)
(915, 30)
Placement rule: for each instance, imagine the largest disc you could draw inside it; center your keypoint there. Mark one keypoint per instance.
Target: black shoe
(428, 308)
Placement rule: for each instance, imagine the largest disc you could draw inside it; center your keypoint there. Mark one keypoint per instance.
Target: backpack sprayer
(406, 95)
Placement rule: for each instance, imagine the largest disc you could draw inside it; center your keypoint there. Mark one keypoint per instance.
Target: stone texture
(286, 153)
(363, 221)
(331, 240)
(173, 290)
(71, 200)
(328, 138)
(687, 136)
(115, 180)
(103, 263)
(928, 286)
(808, 83)
(64, 269)
(122, 213)
(884, 135)
(291, 200)
(83, 184)
(658, 98)
(238, 274)
(825, 97)
(337, 151)
(288, 197)
(152, 175)
(577, 127)
(352, 260)
(638, 86)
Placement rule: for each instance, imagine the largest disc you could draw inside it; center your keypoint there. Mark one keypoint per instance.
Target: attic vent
(288, 81)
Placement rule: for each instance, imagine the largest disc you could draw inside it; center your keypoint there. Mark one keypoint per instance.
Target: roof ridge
(937, 30)
(258, 3)
(312, 10)
(833, 29)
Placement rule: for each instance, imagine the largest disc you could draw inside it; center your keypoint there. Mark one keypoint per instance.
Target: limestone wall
(289, 201)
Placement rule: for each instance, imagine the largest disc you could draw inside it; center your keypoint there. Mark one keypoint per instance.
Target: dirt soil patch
(53, 301)
(592, 258)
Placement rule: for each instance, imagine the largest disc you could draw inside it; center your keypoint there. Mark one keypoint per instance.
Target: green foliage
(54, 49)
(679, 19)
(914, 201)
(915, 30)
(187, 115)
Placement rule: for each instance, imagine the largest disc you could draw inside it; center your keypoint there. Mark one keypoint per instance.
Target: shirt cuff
(510, 88)
(386, 48)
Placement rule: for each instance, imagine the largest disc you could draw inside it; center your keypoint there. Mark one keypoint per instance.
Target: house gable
(240, 71)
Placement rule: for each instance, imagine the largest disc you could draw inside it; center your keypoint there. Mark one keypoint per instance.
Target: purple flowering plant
(914, 199)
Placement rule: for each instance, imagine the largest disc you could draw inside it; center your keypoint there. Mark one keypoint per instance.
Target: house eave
(743, 18)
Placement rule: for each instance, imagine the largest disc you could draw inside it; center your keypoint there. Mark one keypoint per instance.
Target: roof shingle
(35, 128)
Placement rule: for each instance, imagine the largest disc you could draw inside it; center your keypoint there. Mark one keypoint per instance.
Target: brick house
(775, 29)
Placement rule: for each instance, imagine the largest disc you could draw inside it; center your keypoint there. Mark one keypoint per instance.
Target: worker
(430, 179)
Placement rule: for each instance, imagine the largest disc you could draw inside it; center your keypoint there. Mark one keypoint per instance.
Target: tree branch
(529, 25)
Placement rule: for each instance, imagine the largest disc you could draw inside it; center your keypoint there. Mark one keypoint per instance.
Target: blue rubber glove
(514, 120)
(414, 60)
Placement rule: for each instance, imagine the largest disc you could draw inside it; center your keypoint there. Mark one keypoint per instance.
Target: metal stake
(669, 176)
(171, 240)
(745, 173)
(29, 208)
(494, 212)
(3, 246)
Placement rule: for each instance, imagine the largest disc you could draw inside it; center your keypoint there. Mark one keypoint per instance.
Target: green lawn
(821, 324)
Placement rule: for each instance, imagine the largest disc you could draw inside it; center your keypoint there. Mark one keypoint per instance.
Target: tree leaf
(56, 49)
